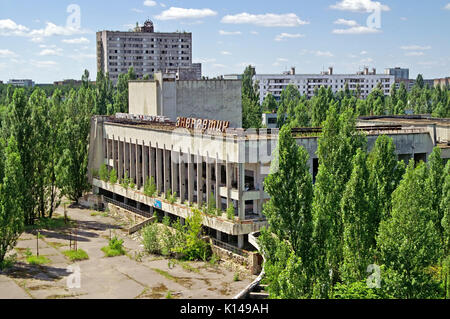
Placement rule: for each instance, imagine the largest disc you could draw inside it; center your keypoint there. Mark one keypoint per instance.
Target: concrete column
(208, 179)
(152, 161)
(182, 178)
(107, 153)
(132, 161)
(241, 186)
(229, 169)
(219, 235)
(218, 173)
(259, 186)
(145, 163)
(138, 165)
(120, 159)
(199, 180)
(175, 172)
(240, 241)
(159, 169)
(113, 152)
(166, 160)
(190, 178)
(126, 159)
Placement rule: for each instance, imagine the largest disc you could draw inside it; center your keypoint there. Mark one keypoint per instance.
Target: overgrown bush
(114, 248)
(125, 182)
(103, 173)
(76, 255)
(113, 176)
(150, 238)
(150, 187)
(230, 211)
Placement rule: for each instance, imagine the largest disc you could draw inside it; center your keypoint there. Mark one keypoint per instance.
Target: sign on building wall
(157, 204)
(202, 124)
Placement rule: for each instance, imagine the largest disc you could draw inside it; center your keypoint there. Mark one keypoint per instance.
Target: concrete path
(135, 275)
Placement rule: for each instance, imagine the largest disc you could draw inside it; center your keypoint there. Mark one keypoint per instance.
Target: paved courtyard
(135, 275)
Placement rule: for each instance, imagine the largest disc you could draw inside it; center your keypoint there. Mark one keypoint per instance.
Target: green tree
(408, 241)
(269, 104)
(336, 147)
(385, 175)
(445, 208)
(18, 125)
(357, 217)
(11, 213)
(76, 129)
(435, 183)
(319, 107)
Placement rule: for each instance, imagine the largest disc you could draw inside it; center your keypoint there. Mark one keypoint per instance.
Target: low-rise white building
(307, 83)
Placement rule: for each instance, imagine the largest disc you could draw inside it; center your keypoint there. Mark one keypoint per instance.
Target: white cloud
(218, 65)
(52, 29)
(174, 13)
(43, 64)
(415, 48)
(359, 6)
(81, 40)
(225, 53)
(5, 53)
(137, 10)
(265, 20)
(357, 30)
(149, 3)
(324, 53)
(162, 5)
(254, 32)
(9, 27)
(47, 52)
(222, 32)
(349, 23)
(363, 52)
(204, 60)
(447, 7)
(414, 53)
(403, 18)
(280, 61)
(284, 36)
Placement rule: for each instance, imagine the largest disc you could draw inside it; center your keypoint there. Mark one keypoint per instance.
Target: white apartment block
(147, 52)
(307, 83)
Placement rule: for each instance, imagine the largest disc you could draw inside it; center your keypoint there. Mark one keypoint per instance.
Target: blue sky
(37, 42)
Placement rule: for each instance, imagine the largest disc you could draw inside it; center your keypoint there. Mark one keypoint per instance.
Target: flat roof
(408, 119)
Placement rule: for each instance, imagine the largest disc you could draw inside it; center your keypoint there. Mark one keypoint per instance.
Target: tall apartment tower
(147, 52)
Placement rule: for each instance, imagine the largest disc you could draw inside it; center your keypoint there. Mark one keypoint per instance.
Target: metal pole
(37, 244)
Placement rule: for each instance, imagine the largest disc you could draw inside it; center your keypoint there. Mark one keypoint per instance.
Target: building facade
(21, 82)
(146, 51)
(307, 83)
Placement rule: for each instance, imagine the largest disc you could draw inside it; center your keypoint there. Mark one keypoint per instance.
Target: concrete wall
(143, 97)
(214, 100)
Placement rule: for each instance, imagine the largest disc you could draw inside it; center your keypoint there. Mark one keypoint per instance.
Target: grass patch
(95, 214)
(187, 266)
(165, 274)
(55, 245)
(38, 260)
(114, 248)
(8, 262)
(236, 277)
(76, 255)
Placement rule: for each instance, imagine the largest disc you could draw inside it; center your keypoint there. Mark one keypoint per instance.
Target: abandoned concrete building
(204, 155)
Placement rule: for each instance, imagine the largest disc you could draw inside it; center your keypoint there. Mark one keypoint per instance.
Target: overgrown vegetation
(76, 255)
(114, 248)
(366, 211)
(173, 239)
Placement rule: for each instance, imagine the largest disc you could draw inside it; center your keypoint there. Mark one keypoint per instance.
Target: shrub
(76, 255)
(150, 238)
(230, 211)
(211, 209)
(37, 260)
(195, 247)
(236, 277)
(357, 290)
(150, 187)
(113, 176)
(8, 262)
(125, 182)
(114, 248)
(103, 173)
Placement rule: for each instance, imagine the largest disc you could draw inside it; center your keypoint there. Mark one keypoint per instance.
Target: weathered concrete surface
(123, 277)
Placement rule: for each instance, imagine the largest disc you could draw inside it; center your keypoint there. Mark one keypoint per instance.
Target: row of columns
(140, 161)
